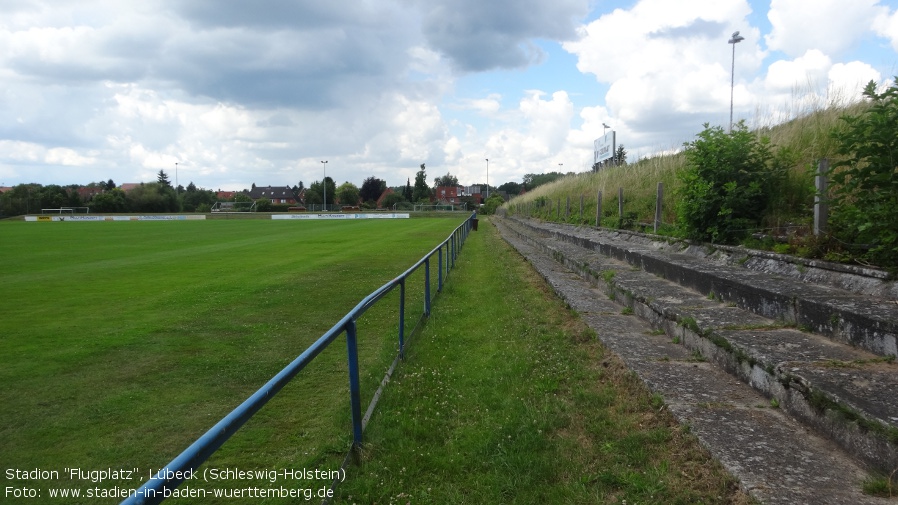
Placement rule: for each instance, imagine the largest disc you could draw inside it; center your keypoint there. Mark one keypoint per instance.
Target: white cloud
(830, 26)
(811, 69)
(668, 64)
(488, 106)
(850, 78)
(886, 25)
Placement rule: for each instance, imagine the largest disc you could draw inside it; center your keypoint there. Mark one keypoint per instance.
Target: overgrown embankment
(756, 187)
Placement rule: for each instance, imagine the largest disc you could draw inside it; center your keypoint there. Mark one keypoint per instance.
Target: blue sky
(238, 93)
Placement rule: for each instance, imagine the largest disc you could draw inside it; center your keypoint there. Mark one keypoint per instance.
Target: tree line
(162, 196)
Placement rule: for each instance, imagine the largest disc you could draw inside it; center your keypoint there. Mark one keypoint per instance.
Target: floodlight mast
(736, 38)
(487, 178)
(324, 184)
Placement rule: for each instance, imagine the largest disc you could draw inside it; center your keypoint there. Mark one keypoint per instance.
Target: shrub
(865, 181)
(726, 184)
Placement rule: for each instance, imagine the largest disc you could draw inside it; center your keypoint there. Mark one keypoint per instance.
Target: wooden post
(620, 204)
(599, 209)
(821, 206)
(581, 209)
(658, 205)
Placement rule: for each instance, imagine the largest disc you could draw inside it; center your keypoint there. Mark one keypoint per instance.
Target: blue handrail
(172, 475)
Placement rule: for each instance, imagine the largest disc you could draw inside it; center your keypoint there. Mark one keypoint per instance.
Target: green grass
(123, 342)
(507, 397)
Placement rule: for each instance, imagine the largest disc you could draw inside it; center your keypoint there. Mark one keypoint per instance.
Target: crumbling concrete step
(864, 321)
(776, 459)
(803, 372)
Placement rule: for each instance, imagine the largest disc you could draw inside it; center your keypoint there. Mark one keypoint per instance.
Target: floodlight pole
(324, 183)
(734, 40)
(487, 178)
(176, 179)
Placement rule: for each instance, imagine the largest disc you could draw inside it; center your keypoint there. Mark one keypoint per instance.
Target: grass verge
(507, 397)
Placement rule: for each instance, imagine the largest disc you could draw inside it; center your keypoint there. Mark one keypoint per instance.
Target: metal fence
(172, 475)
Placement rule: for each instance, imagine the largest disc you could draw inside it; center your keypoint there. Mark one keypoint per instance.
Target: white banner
(180, 217)
(365, 215)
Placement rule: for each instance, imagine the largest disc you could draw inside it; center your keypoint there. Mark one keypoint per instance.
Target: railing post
(402, 319)
(450, 252)
(821, 207)
(352, 352)
(440, 268)
(427, 287)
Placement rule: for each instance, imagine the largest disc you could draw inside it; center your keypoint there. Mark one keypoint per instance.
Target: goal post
(234, 207)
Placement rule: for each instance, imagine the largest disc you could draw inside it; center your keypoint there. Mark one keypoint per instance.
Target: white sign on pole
(605, 147)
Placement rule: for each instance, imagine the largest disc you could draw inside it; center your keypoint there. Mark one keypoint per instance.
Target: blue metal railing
(172, 475)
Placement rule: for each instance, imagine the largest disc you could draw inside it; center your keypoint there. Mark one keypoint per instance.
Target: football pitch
(122, 342)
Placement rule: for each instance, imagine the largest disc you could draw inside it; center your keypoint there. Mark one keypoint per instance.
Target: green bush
(865, 181)
(263, 205)
(491, 204)
(726, 184)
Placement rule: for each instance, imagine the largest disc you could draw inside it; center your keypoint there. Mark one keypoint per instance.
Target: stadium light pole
(736, 38)
(604, 127)
(176, 179)
(487, 178)
(324, 183)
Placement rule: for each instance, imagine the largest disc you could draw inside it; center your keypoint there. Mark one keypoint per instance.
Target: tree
(162, 178)
(726, 184)
(392, 199)
(421, 192)
(491, 204)
(512, 188)
(865, 180)
(372, 188)
(446, 180)
(407, 192)
(316, 192)
(113, 200)
(620, 156)
(153, 197)
(348, 194)
(263, 205)
(110, 185)
(532, 181)
(197, 199)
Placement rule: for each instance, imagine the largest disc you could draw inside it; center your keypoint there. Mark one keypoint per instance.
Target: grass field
(123, 342)
(120, 343)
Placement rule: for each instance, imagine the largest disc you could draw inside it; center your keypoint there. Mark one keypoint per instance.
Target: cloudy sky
(238, 92)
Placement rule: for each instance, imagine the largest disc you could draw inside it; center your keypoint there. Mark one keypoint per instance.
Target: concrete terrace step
(843, 392)
(865, 316)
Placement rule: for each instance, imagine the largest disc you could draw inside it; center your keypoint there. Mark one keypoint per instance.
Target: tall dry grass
(800, 134)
